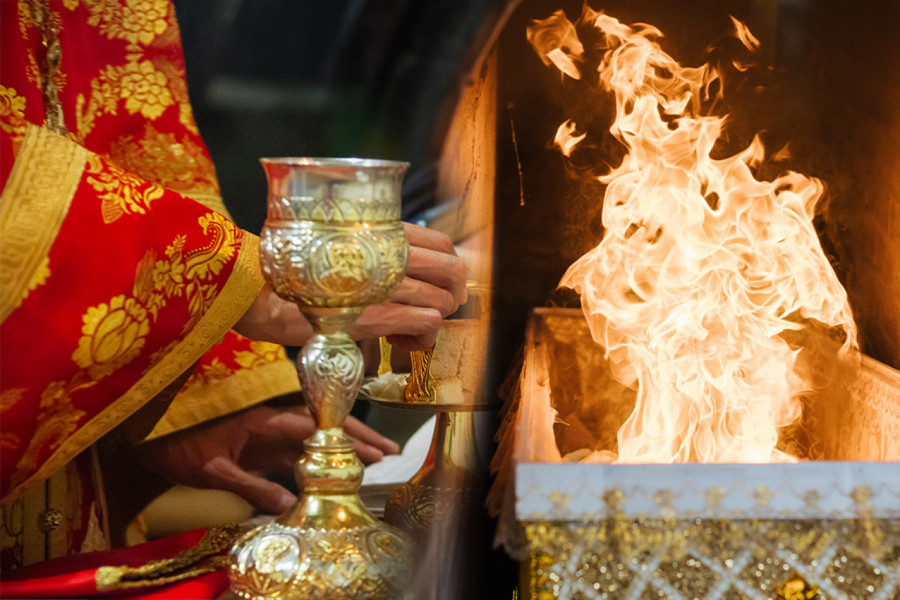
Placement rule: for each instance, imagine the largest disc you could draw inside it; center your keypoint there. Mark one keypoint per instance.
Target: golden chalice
(333, 243)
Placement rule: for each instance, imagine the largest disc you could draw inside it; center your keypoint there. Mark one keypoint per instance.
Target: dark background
(365, 78)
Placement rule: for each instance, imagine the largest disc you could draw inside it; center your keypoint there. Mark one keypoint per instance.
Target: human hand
(433, 288)
(271, 318)
(222, 453)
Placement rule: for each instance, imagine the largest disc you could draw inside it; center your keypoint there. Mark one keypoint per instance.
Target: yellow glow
(701, 265)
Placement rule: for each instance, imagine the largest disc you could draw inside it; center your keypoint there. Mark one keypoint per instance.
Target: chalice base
(324, 547)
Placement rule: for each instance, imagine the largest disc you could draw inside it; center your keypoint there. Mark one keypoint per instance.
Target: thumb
(267, 496)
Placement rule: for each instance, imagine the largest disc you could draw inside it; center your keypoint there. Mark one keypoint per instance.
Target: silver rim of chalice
(333, 190)
(375, 166)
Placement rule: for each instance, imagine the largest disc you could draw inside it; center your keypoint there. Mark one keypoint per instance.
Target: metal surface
(332, 243)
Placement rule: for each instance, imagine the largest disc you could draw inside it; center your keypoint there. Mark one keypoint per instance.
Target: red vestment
(119, 267)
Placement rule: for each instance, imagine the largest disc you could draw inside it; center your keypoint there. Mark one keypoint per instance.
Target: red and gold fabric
(182, 566)
(120, 271)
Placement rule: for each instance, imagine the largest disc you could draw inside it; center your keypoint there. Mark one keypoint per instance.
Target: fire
(702, 267)
(566, 138)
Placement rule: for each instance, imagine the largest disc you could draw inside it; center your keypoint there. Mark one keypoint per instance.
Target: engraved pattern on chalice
(332, 243)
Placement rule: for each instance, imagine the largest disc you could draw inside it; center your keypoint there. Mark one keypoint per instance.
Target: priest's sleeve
(99, 313)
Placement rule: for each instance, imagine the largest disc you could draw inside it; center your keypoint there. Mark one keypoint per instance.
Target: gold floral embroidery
(175, 164)
(119, 191)
(9, 441)
(187, 273)
(38, 279)
(146, 86)
(114, 333)
(136, 21)
(12, 105)
(260, 353)
(163, 280)
(200, 298)
(40, 276)
(206, 262)
(145, 90)
(143, 276)
(113, 336)
(57, 420)
(169, 275)
(216, 370)
(104, 98)
(143, 87)
(186, 118)
(8, 399)
(25, 22)
(12, 113)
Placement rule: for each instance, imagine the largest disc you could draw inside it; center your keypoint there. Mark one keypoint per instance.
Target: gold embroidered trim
(205, 401)
(33, 206)
(237, 294)
(200, 559)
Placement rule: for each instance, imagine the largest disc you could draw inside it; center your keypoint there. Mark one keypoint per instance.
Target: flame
(556, 42)
(566, 138)
(742, 32)
(701, 266)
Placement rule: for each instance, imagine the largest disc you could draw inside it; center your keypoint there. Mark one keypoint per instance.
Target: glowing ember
(701, 267)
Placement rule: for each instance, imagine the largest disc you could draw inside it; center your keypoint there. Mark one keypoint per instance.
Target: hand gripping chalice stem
(333, 243)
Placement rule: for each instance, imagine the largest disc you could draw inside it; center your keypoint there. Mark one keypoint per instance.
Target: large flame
(701, 267)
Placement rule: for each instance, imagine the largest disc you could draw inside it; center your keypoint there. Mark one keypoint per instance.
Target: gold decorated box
(825, 527)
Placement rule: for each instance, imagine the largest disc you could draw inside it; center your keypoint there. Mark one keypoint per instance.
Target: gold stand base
(327, 546)
(449, 484)
(350, 555)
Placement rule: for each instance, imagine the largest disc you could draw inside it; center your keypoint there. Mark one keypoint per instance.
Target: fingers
(433, 259)
(366, 453)
(414, 292)
(428, 238)
(363, 433)
(288, 425)
(274, 436)
(440, 269)
(392, 319)
(270, 497)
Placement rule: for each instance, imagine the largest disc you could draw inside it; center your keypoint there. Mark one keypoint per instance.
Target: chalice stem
(331, 372)
(331, 366)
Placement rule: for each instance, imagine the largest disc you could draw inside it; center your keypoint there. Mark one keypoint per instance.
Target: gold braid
(49, 60)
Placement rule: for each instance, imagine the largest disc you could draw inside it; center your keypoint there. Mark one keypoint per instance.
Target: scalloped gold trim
(238, 293)
(33, 205)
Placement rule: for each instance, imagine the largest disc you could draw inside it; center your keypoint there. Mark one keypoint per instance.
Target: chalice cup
(333, 243)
